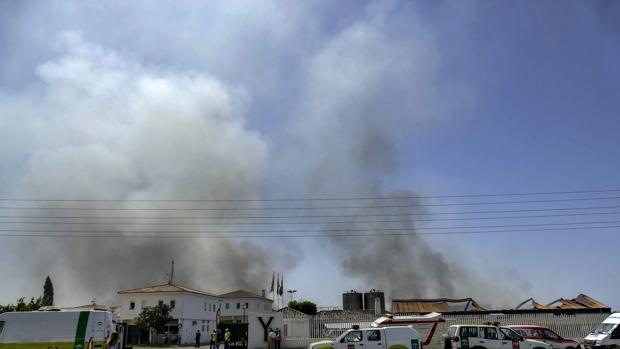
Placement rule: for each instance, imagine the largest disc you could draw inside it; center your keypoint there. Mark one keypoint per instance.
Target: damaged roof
(582, 301)
(438, 305)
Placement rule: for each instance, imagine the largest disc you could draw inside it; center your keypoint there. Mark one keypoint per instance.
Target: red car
(544, 334)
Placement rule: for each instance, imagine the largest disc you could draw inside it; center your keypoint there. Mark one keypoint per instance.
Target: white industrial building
(194, 310)
(191, 310)
(238, 304)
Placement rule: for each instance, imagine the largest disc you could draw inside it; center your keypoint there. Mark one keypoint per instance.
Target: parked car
(390, 337)
(606, 335)
(544, 334)
(488, 337)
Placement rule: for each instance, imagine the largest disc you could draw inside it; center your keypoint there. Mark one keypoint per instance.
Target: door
(353, 340)
(468, 336)
(509, 339)
(489, 338)
(374, 340)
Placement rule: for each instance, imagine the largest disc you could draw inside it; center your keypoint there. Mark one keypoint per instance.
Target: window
(160, 303)
(132, 305)
(143, 304)
(227, 306)
(353, 336)
(205, 306)
(238, 305)
(551, 335)
(194, 323)
(468, 332)
(247, 305)
(173, 303)
(373, 335)
(508, 334)
(452, 331)
(488, 333)
(1, 326)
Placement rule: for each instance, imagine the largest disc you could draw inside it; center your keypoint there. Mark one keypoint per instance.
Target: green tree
(48, 292)
(154, 318)
(306, 307)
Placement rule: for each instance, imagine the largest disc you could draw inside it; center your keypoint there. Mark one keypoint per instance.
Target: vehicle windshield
(605, 328)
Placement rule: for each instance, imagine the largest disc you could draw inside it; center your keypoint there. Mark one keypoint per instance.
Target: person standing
(197, 339)
(227, 339)
(213, 339)
(278, 338)
(113, 342)
(271, 339)
(219, 339)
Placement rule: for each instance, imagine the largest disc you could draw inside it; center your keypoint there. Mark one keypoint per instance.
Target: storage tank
(369, 300)
(352, 300)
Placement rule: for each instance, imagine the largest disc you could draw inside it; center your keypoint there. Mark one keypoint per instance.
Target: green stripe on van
(80, 331)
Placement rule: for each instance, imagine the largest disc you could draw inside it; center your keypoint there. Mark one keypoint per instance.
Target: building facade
(191, 310)
(238, 304)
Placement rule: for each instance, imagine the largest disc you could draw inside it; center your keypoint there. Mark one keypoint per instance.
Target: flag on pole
(272, 280)
(282, 286)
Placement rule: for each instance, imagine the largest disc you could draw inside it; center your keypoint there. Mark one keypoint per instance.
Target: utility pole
(291, 292)
(171, 274)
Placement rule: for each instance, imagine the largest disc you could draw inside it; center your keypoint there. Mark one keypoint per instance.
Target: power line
(295, 223)
(315, 235)
(325, 216)
(320, 198)
(301, 208)
(306, 231)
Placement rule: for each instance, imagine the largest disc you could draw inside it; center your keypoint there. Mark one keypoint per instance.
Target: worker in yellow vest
(226, 339)
(213, 339)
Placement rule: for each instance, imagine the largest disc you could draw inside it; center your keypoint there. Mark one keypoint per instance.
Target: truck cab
(606, 335)
(394, 337)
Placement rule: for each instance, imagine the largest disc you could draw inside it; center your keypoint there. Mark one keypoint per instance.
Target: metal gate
(238, 334)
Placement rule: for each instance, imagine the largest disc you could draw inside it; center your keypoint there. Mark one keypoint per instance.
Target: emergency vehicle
(430, 326)
(55, 329)
(488, 337)
(393, 337)
(606, 335)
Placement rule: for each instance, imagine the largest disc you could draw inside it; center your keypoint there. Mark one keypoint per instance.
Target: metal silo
(369, 300)
(352, 300)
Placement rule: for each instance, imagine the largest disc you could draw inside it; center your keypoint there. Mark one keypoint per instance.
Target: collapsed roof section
(438, 305)
(582, 301)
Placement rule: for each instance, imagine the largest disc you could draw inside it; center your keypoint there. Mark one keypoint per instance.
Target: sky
(269, 100)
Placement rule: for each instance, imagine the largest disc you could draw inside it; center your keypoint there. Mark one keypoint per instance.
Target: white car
(392, 337)
(488, 337)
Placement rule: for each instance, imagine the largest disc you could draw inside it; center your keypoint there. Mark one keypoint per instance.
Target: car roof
(472, 325)
(532, 327)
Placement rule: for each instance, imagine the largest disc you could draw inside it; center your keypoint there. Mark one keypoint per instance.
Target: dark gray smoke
(368, 92)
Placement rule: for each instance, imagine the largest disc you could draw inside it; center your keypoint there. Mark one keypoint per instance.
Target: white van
(606, 335)
(393, 337)
(55, 329)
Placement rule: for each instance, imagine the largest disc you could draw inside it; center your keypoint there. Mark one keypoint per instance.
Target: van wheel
(569, 348)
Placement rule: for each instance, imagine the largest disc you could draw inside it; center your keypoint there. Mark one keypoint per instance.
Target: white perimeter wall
(256, 331)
